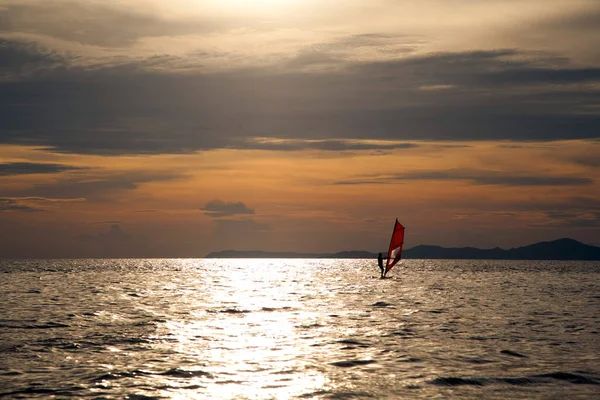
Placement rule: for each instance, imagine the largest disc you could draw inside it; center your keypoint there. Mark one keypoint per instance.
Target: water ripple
(326, 329)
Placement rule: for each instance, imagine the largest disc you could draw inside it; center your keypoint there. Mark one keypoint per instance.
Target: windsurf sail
(395, 250)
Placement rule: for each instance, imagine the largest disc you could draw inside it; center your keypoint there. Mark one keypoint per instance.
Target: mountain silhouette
(561, 249)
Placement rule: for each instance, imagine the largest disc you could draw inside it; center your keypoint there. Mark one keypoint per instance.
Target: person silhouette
(380, 263)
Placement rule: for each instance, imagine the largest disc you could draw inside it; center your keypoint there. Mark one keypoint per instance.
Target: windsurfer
(380, 263)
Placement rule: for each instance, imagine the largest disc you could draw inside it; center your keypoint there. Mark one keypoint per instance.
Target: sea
(299, 329)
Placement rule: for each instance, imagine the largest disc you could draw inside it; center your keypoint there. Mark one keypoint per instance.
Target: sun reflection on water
(280, 329)
(245, 332)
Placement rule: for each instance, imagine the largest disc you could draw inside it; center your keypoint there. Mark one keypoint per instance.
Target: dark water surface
(302, 329)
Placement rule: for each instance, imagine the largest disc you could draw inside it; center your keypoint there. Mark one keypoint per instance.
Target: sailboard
(396, 242)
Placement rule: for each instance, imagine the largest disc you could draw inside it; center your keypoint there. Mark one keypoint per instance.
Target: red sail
(395, 250)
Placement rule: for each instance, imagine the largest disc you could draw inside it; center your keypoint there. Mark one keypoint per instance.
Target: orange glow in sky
(136, 129)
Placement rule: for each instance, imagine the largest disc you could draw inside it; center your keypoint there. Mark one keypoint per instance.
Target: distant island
(561, 249)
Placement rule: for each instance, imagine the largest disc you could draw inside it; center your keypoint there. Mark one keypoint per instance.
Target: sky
(145, 128)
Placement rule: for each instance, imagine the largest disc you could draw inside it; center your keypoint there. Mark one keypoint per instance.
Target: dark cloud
(559, 215)
(19, 59)
(92, 187)
(476, 177)
(545, 212)
(483, 68)
(565, 206)
(220, 208)
(129, 109)
(8, 204)
(26, 168)
(29, 204)
(573, 219)
(17, 55)
(542, 75)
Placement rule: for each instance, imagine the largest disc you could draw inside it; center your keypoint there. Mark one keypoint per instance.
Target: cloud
(524, 75)
(149, 106)
(8, 204)
(97, 23)
(324, 145)
(94, 187)
(20, 59)
(565, 206)
(19, 54)
(340, 51)
(220, 208)
(532, 181)
(26, 168)
(110, 222)
(475, 177)
(437, 87)
(481, 69)
(29, 204)
(573, 219)
(588, 160)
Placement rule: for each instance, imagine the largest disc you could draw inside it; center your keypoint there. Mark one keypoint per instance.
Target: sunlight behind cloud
(245, 7)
